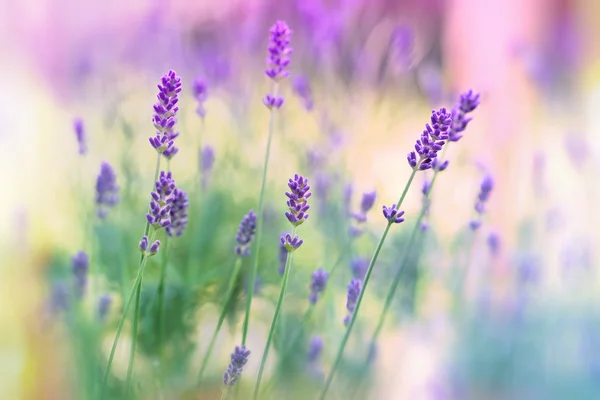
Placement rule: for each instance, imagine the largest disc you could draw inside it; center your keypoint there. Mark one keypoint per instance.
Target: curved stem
(259, 217)
(231, 286)
(340, 352)
(286, 275)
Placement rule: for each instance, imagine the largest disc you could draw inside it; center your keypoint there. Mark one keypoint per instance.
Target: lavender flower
(208, 159)
(301, 88)
(392, 214)
(317, 284)
(200, 90)
(493, 242)
(283, 253)
(81, 264)
(359, 267)
(431, 141)
(467, 103)
(178, 213)
(144, 247)
(272, 101)
(162, 200)
(484, 194)
(402, 46)
(104, 306)
(297, 203)
(439, 166)
(59, 298)
(107, 191)
(315, 348)
(245, 234)
(279, 51)
(239, 358)
(80, 135)
(165, 111)
(290, 243)
(354, 289)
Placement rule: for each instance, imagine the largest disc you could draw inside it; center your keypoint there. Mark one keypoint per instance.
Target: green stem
(224, 393)
(230, 288)
(465, 271)
(340, 352)
(161, 299)
(286, 275)
(259, 216)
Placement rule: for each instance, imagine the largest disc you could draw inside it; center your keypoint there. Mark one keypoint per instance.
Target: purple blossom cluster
(107, 190)
(392, 214)
(484, 194)
(354, 288)
(298, 200)
(146, 248)
(301, 88)
(467, 103)
(239, 358)
(278, 61)
(162, 201)
(431, 141)
(245, 234)
(360, 217)
(315, 348)
(178, 213)
(80, 136)
(165, 111)
(318, 283)
(200, 91)
(81, 265)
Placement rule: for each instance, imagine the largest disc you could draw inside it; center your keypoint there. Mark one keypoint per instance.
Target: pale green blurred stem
(161, 299)
(464, 272)
(286, 275)
(259, 222)
(230, 287)
(134, 290)
(362, 292)
(224, 393)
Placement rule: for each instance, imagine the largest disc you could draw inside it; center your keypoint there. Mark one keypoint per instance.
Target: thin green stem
(230, 288)
(161, 298)
(340, 352)
(259, 217)
(286, 275)
(224, 393)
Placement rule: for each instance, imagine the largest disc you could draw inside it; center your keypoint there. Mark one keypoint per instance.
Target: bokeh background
(376, 69)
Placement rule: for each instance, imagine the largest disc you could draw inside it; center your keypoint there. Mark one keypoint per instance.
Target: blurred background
(365, 75)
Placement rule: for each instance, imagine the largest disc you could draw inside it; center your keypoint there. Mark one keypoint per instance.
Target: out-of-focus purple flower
(315, 348)
(431, 141)
(528, 269)
(318, 283)
(107, 191)
(104, 306)
(80, 135)
(59, 298)
(354, 289)
(298, 200)
(208, 159)
(484, 194)
(279, 51)
(245, 234)
(165, 111)
(439, 166)
(301, 88)
(283, 253)
(291, 243)
(239, 358)
(162, 200)
(402, 45)
(81, 265)
(200, 90)
(392, 214)
(347, 196)
(359, 267)
(368, 200)
(493, 242)
(577, 149)
(272, 101)
(178, 213)
(467, 103)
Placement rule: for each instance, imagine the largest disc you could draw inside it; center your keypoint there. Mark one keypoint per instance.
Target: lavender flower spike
(162, 200)
(297, 200)
(317, 284)
(178, 213)
(315, 348)
(239, 358)
(278, 61)
(245, 234)
(290, 243)
(484, 194)
(107, 191)
(301, 88)
(165, 111)
(467, 103)
(104, 306)
(81, 264)
(80, 135)
(392, 214)
(354, 289)
(200, 90)
(431, 141)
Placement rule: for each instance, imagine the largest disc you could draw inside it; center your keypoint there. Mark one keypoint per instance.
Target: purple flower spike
(162, 201)
(290, 243)
(144, 244)
(359, 267)
(279, 51)
(104, 306)
(467, 103)
(272, 102)
(431, 141)
(81, 265)
(297, 200)
(178, 213)
(80, 135)
(493, 242)
(239, 358)
(354, 289)
(484, 194)
(301, 88)
(317, 284)
(165, 111)
(200, 90)
(245, 234)
(392, 214)
(107, 191)
(315, 348)
(368, 200)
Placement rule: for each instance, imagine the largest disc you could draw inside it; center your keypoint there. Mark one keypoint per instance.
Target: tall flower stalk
(297, 213)
(245, 236)
(165, 110)
(427, 146)
(279, 50)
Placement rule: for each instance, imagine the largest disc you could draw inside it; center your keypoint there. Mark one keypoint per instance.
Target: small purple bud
(154, 248)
